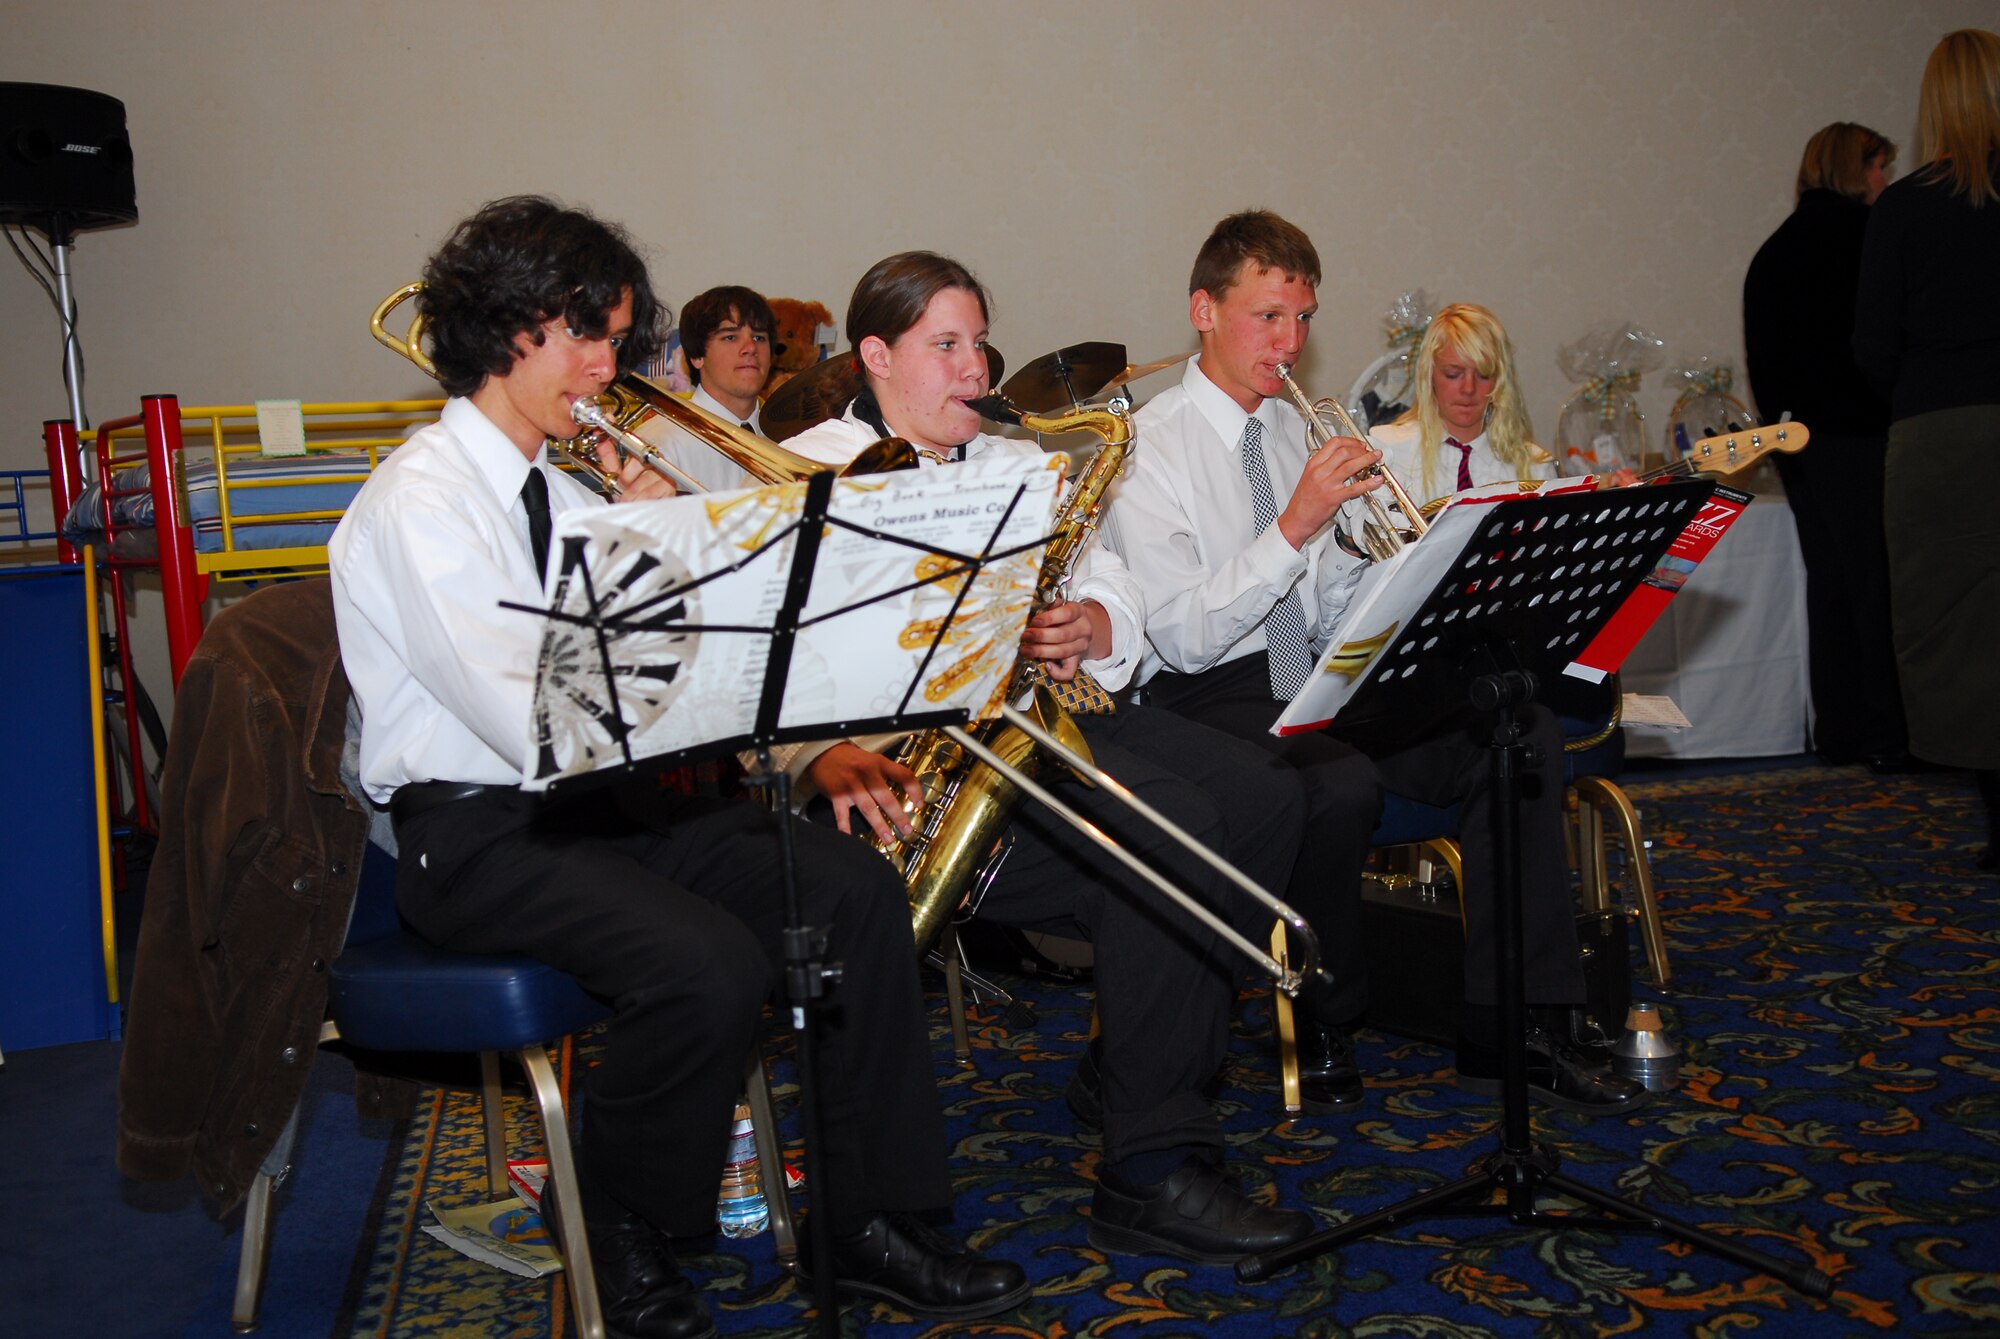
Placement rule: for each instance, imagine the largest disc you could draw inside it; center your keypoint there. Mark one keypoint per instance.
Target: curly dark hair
(706, 312)
(518, 264)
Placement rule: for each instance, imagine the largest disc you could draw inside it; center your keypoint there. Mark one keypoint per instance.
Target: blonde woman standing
(1924, 333)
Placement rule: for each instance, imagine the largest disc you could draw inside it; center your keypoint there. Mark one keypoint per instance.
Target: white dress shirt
(1098, 574)
(713, 470)
(1182, 520)
(430, 547)
(1400, 443)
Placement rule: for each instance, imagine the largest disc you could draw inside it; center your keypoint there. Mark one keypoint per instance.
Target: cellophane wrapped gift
(1384, 390)
(1601, 430)
(1706, 405)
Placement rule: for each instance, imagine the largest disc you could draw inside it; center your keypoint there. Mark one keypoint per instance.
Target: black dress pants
(671, 907)
(1165, 982)
(1448, 764)
(1835, 492)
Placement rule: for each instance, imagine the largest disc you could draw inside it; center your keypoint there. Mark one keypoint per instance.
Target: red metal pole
(184, 585)
(65, 478)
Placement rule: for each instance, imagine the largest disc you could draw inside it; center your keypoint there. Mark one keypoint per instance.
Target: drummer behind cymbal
(726, 333)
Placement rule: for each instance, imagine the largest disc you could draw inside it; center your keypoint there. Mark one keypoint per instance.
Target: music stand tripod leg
(807, 976)
(1520, 1169)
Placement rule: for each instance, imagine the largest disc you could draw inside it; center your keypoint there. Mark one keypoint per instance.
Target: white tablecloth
(1730, 649)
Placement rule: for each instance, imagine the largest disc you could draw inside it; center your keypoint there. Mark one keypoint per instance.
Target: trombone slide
(1285, 976)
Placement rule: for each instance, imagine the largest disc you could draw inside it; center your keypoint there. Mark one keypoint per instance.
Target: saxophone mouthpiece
(996, 407)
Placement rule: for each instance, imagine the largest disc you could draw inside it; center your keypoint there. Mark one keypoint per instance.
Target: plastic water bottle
(742, 1211)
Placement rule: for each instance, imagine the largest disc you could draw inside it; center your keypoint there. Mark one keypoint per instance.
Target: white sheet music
(661, 612)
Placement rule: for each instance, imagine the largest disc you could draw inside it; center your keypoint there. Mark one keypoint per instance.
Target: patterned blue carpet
(1836, 996)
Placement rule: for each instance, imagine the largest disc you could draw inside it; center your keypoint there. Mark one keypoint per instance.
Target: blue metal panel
(51, 948)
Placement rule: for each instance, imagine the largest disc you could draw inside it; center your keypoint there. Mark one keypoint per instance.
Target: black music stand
(609, 620)
(1525, 594)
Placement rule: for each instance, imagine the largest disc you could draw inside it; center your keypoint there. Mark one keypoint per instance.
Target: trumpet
(1380, 536)
(589, 413)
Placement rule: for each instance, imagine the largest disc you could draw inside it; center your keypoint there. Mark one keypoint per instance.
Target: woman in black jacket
(1925, 333)
(1798, 310)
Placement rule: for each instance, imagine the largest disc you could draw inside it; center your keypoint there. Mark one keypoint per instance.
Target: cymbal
(823, 391)
(1143, 370)
(1069, 376)
(810, 397)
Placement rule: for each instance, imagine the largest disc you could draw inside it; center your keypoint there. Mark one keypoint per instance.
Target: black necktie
(746, 427)
(535, 499)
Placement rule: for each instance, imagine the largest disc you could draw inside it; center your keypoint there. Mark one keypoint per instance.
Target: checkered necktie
(1285, 626)
(1464, 450)
(1084, 695)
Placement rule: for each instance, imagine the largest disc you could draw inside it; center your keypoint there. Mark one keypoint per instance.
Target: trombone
(1284, 975)
(630, 401)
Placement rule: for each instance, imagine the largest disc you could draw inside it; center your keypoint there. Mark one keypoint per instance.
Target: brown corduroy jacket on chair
(248, 898)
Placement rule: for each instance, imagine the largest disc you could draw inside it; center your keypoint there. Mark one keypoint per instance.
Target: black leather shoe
(1195, 1214)
(1329, 1078)
(1558, 1076)
(1573, 1026)
(1085, 1094)
(913, 1267)
(639, 1287)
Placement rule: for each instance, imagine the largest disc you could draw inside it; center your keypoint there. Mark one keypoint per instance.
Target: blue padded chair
(392, 991)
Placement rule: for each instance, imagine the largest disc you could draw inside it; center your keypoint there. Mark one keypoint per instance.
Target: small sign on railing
(281, 427)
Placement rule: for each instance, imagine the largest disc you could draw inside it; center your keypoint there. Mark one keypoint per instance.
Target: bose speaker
(65, 160)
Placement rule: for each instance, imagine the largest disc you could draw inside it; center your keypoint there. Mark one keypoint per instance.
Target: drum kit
(1066, 379)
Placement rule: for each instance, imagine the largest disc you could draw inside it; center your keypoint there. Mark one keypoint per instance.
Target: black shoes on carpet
(1195, 1214)
(1560, 1074)
(641, 1290)
(893, 1257)
(1329, 1077)
(898, 1259)
(1085, 1094)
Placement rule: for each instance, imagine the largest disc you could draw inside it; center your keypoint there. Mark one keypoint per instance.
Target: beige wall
(1563, 163)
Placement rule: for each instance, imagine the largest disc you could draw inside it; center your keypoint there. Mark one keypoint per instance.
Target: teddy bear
(802, 335)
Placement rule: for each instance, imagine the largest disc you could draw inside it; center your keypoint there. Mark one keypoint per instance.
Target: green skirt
(1939, 503)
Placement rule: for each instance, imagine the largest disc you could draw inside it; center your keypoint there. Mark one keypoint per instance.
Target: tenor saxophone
(954, 849)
